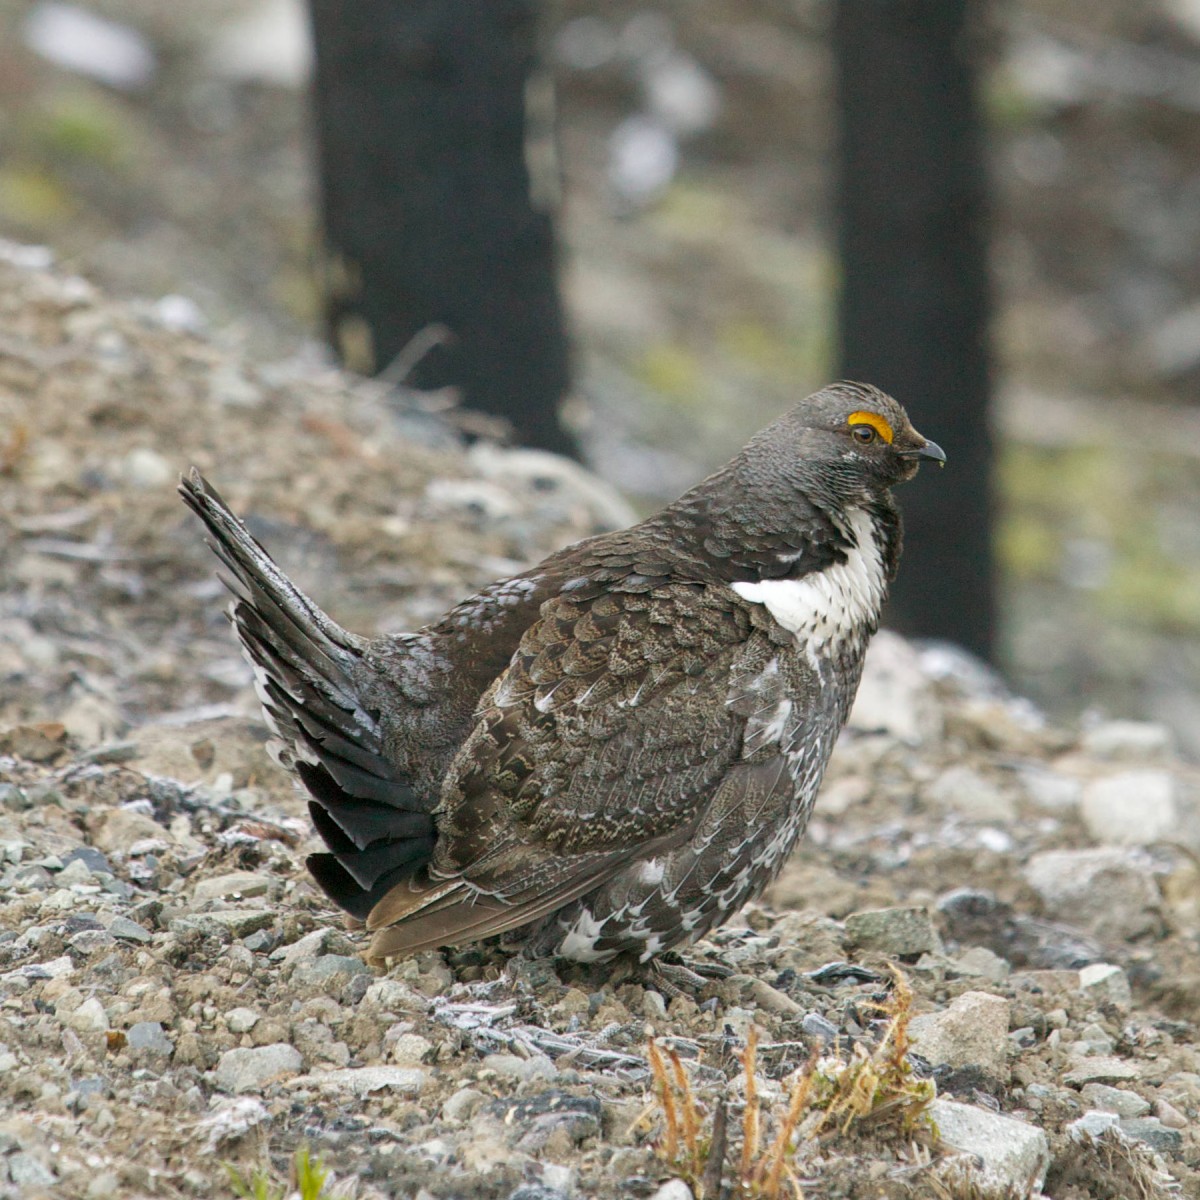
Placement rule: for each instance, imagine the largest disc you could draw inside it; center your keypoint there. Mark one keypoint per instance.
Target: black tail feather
(308, 672)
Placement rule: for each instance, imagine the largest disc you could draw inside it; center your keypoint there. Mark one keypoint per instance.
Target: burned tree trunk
(428, 216)
(914, 304)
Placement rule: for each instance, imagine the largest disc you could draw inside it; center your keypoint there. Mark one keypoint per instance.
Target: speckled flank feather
(613, 752)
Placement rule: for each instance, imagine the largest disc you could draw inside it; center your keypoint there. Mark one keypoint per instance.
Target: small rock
(463, 1105)
(1133, 808)
(965, 791)
(27, 1171)
(1150, 1131)
(1101, 1069)
(239, 922)
(411, 1049)
(362, 1081)
(1167, 1113)
(74, 872)
(1114, 1100)
(126, 930)
(1125, 740)
(894, 931)
(249, 1070)
(816, 1026)
(309, 946)
(1108, 891)
(673, 1189)
(1050, 791)
(1092, 1125)
(89, 1017)
(973, 1031)
(1015, 1155)
(145, 468)
(91, 858)
(328, 971)
(510, 1065)
(121, 828)
(981, 962)
(245, 884)
(1105, 983)
(895, 695)
(241, 1020)
(148, 1037)
(35, 743)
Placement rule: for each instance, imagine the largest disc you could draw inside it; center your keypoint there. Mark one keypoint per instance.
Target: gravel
(174, 990)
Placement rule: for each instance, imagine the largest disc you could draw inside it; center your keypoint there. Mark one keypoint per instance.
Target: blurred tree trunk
(914, 302)
(420, 115)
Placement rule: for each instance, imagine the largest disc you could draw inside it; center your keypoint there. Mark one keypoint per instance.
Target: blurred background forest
(168, 152)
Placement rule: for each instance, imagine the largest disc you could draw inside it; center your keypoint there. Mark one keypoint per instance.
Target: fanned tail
(306, 668)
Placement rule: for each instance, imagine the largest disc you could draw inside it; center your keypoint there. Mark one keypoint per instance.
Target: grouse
(614, 751)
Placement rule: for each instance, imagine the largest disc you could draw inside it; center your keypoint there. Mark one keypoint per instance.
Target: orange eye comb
(875, 421)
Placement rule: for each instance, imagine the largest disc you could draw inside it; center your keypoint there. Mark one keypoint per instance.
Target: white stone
(1051, 791)
(362, 1081)
(89, 1017)
(1132, 808)
(895, 695)
(538, 1066)
(1126, 740)
(1092, 1125)
(250, 1070)
(410, 1049)
(1114, 1100)
(241, 1020)
(1104, 982)
(673, 1189)
(1014, 1155)
(146, 468)
(965, 791)
(972, 1031)
(224, 887)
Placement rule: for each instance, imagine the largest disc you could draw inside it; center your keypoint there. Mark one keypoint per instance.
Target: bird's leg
(674, 976)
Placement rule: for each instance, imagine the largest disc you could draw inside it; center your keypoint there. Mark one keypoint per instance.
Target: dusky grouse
(615, 750)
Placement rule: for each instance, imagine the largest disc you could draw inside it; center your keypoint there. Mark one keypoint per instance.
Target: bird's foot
(674, 976)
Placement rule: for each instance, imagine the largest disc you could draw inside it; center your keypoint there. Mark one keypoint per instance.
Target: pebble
(145, 468)
(538, 1066)
(981, 962)
(1101, 1069)
(328, 970)
(1104, 983)
(1133, 808)
(122, 828)
(673, 1189)
(1108, 891)
(245, 884)
(1092, 1125)
(89, 1017)
(126, 930)
(27, 1171)
(149, 1037)
(965, 791)
(900, 931)
(411, 1049)
(1168, 1114)
(896, 696)
(1124, 740)
(1049, 790)
(241, 1020)
(1014, 1155)
(239, 922)
(362, 1081)
(1114, 1100)
(972, 1031)
(249, 1070)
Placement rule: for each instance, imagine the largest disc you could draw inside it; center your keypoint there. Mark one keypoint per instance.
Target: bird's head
(845, 443)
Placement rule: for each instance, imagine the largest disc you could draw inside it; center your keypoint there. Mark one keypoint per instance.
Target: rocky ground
(174, 994)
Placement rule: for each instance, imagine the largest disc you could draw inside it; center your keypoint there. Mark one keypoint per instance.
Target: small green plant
(309, 1177)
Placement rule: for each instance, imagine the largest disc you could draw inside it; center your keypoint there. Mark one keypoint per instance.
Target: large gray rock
(250, 1070)
(899, 931)
(1013, 1154)
(1110, 892)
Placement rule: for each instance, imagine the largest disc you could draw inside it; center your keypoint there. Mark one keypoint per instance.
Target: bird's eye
(864, 435)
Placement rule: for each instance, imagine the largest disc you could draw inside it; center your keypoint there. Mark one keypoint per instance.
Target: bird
(612, 752)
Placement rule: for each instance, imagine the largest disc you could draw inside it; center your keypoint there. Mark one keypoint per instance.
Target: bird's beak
(926, 449)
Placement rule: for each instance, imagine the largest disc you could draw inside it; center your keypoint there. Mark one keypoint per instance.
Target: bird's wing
(604, 740)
